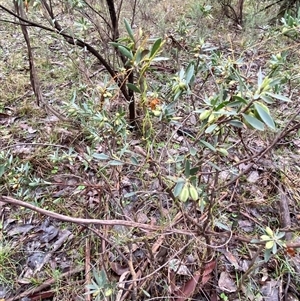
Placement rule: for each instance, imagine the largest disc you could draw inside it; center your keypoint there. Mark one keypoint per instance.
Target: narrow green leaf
(2, 169)
(238, 100)
(190, 72)
(155, 47)
(214, 166)
(146, 294)
(222, 226)
(266, 98)
(204, 114)
(160, 58)
(129, 30)
(133, 87)
(208, 145)
(130, 194)
(187, 168)
(275, 82)
(259, 78)
(134, 160)
(236, 123)
(264, 115)
(177, 95)
(255, 241)
(279, 96)
(125, 51)
(254, 122)
(115, 163)
(222, 151)
(100, 156)
(115, 44)
(211, 128)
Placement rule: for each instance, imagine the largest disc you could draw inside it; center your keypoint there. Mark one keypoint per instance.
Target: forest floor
(91, 210)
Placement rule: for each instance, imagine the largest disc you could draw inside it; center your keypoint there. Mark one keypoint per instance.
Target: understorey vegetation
(149, 150)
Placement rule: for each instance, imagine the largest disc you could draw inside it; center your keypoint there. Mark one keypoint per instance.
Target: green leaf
(134, 160)
(190, 72)
(211, 128)
(222, 226)
(254, 122)
(108, 292)
(2, 169)
(160, 58)
(177, 95)
(280, 235)
(269, 231)
(266, 98)
(225, 113)
(140, 54)
(214, 166)
(184, 194)
(187, 168)
(155, 48)
(146, 293)
(115, 163)
(264, 115)
(259, 78)
(274, 249)
(204, 114)
(100, 156)
(193, 192)
(275, 82)
(222, 151)
(238, 100)
(126, 52)
(236, 123)
(193, 151)
(129, 30)
(194, 170)
(208, 145)
(133, 87)
(267, 255)
(265, 237)
(115, 44)
(130, 194)
(269, 244)
(178, 187)
(279, 96)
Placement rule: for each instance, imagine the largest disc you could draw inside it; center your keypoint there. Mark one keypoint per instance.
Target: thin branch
(83, 221)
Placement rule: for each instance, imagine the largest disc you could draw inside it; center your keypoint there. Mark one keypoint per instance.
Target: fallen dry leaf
(226, 283)
(187, 290)
(209, 267)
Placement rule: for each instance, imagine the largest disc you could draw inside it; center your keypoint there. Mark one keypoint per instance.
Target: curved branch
(84, 221)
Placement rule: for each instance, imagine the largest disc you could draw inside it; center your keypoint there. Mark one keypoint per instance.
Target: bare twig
(83, 221)
(87, 265)
(35, 83)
